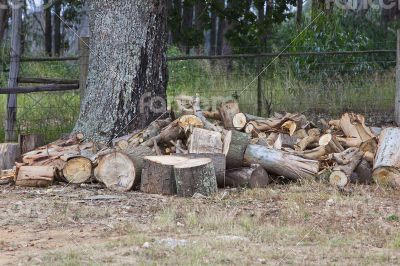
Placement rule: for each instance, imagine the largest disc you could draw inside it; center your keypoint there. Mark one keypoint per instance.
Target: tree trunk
(213, 33)
(386, 169)
(3, 18)
(126, 87)
(281, 163)
(30, 142)
(48, 27)
(57, 28)
(221, 31)
(299, 12)
(187, 24)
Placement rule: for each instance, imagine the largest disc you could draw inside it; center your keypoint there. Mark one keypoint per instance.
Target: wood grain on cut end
(338, 179)
(78, 170)
(387, 176)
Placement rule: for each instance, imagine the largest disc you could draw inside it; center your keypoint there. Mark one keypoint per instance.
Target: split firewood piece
(386, 169)
(155, 128)
(179, 147)
(9, 153)
(214, 115)
(369, 148)
(289, 127)
(353, 126)
(281, 163)
(347, 162)
(195, 176)
(205, 141)
(362, 174)
(35, 176)
(218, 160)
(271, 139)
(117, 171)
(235, 144)
(158, 175)
(30, 142)
(330, 143)
(254, 176)
(349, 142)
(9, 174)
(285, 141)
(301, 133)
(197, 112)
(240, 120)
(227, 112)
(318, 153)
(137, 154)
(77, 170)
(312, 137)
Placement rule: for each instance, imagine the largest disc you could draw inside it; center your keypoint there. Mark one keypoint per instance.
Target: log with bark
(386, 170)
(205, 141)
(195, 176)
(137, 154)
(30, 142)
(158, 175)
(9, 153)
(346, 162)
(227, 112)
(235, 144)
(254, 176)
(77, 170)
(281, 163)
(311, 138)
(35, 176)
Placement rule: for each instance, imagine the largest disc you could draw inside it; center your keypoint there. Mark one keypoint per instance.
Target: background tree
(127, 67)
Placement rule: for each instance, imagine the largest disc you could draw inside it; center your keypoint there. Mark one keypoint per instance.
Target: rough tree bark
(127, 68)
(57, 28)
(4, 14)
(48, 28)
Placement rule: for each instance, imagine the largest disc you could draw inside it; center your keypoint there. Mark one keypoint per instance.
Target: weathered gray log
(386, 169)
(281, 163)
(117, 171)
(235, 144)
(30, 142)
(9, 153)
(254, 176)
(219, 161)
(195, 176)
(158, 176)
(362, 174)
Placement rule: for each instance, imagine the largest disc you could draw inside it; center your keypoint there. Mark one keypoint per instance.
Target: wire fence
(320, 85)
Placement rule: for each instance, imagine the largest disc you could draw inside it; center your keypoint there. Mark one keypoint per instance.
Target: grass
(322, 92)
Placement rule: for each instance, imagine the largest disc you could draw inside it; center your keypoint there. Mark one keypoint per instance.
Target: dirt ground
(310, 224)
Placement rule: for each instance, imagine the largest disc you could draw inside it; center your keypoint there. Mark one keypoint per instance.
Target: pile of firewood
(203, 150)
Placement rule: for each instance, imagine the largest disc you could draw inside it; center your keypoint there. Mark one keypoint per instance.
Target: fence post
(83, 63)
(259, 90)
(11, 118)
(397, 103)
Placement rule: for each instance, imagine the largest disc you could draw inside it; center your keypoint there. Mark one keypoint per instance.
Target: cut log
(117, 171)
(77, 170)
(205, 141)
(195, 176)
(219, 161)
(35, 176)
(349, 142)
(312, 137)
(253, 177)
(30, 142)
(137, 154)
(362, 174)
(353, 126)
(9, 153)
(235, 144)
(330, 143)
(158, 175)
(386, 169)
(285, 141)
(281, 163)
(9, 175)
(227, 112)
(240, 120)
(197, 112)
(346, 162)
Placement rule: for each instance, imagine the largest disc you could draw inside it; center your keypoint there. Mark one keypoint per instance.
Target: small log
(330, 143)
(137, 154)
(158, 174)
(346, 163)
(300, 134)
(205, 141)
(35, 176)
(362, 174)
(386, 170)
(281, 163)
(30, 142)
(227, 112)
(353, 126)
(240, 120)
(117, 171)
(254, 176)
(9, 153)
(77, 170)
(285, 141)
(212, 115)
(312, 137)
(197, 112)
(195, 176)
(235, 144)
(219, 161)
(349, 142)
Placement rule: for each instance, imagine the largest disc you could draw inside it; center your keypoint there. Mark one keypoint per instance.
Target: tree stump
(195, 176)
(386, 169)
(158, 175)
(281, 163)
(35, 176)
(77, 170)
(117, 171)
(253, 177)
(9, 153)
(235, 144)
